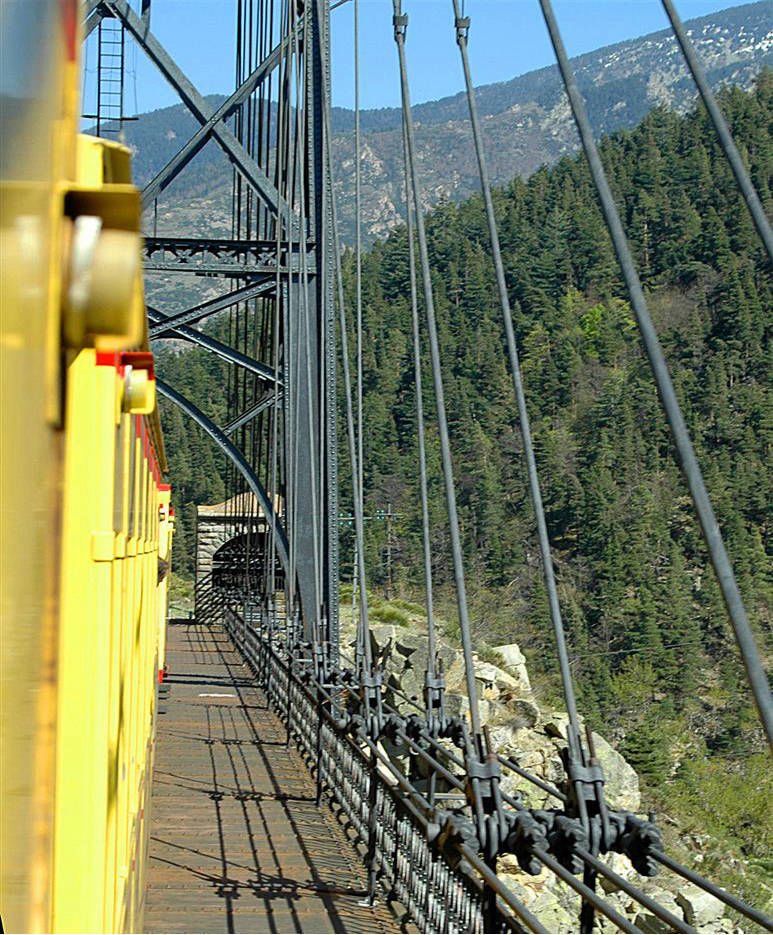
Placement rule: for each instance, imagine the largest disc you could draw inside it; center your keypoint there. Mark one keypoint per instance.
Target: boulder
(527, 747)
(494, 684)
(511, 655)
(447, 656)
(534, 752)
(411, 683)
(622, 866)
(525, 713)
(644, 919)
(514, 714)
(515, 662)
(647, 922)
(621, 784)
(409, 642)
(699, 908)
(458, 705)
(542, 895)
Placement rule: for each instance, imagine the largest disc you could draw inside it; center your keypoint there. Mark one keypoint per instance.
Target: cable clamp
(566, 837)
(462, 24)
(489, 769)
(579, 773)
(487, 773)
(400, 23)
(371, 681)
(390, 727)
(414, 727)
(456, 832)
(638, 838)
(528, 830)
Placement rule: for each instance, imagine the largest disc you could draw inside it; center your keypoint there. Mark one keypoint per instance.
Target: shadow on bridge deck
(237, 841)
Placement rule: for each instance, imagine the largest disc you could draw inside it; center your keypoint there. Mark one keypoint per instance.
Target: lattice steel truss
(275, 270)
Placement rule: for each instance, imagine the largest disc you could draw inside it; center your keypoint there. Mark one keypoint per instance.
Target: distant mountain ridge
(526, 120)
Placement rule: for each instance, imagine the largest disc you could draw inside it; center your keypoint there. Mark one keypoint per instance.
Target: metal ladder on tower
(111, 59)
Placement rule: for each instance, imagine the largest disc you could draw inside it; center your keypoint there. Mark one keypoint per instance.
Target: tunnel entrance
(233, 540)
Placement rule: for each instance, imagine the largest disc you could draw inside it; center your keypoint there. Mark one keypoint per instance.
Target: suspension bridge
(265, 641)
(288, 795)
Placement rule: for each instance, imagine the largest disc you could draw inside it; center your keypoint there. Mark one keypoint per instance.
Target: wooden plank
(237, 841)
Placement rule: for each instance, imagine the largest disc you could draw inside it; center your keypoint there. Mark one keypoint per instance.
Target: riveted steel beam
(199, 139)
(211, 344)
(262, 404)
(92, 22)
(211, 307)
(213, 269)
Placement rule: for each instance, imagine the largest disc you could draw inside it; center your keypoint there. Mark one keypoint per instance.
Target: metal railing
(443, 885)
(422, 843)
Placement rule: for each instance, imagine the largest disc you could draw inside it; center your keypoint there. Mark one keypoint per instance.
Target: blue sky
(507, 38)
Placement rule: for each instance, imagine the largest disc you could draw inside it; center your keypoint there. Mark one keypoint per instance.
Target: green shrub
(387, 614)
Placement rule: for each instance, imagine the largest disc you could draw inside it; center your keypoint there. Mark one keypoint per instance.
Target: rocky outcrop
(515, 662)
(520, 730)
(533, 738)
(621, 784)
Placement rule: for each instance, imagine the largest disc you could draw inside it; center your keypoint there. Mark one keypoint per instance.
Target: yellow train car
(85, 519)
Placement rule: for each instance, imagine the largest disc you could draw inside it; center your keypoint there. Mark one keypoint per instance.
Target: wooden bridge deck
(237, 841)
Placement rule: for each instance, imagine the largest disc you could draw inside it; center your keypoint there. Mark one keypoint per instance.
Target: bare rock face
(522, 732)
(540, 894)
(535, 753)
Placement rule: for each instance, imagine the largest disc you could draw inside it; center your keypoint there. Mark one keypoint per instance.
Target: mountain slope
(526, 122)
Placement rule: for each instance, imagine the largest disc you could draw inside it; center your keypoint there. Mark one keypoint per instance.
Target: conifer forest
(649, 641)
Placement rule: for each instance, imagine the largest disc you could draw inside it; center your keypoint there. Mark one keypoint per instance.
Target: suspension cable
(280, 175)
(305, 312)
(574, 737)
(357, 502)
(358, 302)
(291, 339)
(358, 239)
(726, 140)
(400, 24)
(419, 414)
(686, 455)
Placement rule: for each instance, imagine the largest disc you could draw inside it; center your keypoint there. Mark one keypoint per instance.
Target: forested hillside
(651, 651)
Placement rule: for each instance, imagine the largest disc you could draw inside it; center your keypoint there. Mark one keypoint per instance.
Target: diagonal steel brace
(252, 173)
(211, 344)
(198, 312)
(197, 142)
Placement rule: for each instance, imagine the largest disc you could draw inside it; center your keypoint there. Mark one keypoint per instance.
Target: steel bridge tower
(274, 279)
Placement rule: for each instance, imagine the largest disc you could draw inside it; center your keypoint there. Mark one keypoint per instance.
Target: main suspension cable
(686, 455)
